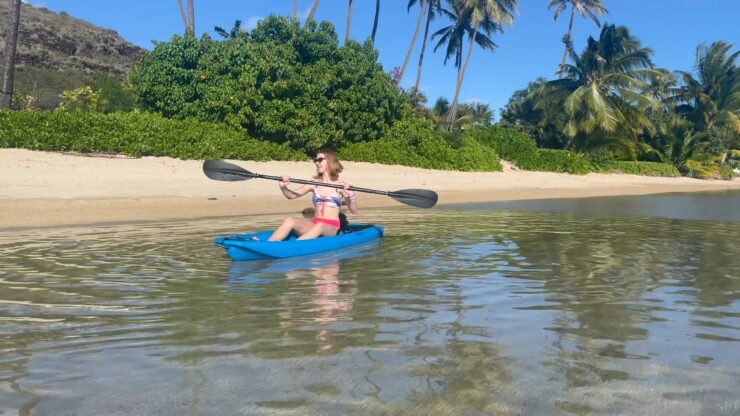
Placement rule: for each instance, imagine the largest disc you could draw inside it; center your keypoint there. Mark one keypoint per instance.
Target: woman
(327, 201)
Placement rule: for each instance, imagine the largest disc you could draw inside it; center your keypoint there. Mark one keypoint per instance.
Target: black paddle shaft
(328, 185)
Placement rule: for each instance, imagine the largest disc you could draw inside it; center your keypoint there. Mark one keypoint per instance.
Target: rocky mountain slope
(58, 41)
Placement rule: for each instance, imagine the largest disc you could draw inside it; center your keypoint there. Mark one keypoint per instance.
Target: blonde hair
(333, 165)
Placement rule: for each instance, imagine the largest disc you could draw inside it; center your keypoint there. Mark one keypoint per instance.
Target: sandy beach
(39, 189)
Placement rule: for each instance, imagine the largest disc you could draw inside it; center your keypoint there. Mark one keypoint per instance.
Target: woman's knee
(289, 221)
(313, 232)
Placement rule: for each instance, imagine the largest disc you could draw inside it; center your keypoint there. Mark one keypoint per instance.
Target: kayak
(244, 247)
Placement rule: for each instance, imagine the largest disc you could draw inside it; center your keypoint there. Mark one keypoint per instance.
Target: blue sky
(529, 49)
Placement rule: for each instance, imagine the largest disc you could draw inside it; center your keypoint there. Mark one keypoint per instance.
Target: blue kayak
(243, 247)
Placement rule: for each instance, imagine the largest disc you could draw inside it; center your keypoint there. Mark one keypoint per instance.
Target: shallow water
(570, 307)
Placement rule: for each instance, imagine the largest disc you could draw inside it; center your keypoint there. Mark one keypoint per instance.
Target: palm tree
(526, 112)
(375, 21)
(676, 143)
(713, 98)
(416, 34)
(188, 20)
(453, 35)
(481, 113)
(191, 15)
(659, 88)
(586, 8)
(183, 15)
(434, 7)
(464, 116)
(441, 106)
(11, 40)
(233, 34)
(603, 89)
(490, 16)
(472, 114)
(311, 13)
(349, 21)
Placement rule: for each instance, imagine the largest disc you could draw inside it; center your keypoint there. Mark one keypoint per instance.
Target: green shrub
(47, 85)
(510, 144)
(639, 168)
(521, 149)
(134, 134)
(281, 83)
(727, 172)
(552, 160)
(414, 142)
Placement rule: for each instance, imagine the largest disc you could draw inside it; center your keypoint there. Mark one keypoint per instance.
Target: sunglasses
(319, 159)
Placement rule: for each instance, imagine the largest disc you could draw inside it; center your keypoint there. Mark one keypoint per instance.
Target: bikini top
(332, 201)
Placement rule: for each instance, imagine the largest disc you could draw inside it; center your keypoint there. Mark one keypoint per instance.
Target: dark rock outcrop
(58, 41)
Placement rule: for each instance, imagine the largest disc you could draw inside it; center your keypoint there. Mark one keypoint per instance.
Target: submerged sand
(54, 189)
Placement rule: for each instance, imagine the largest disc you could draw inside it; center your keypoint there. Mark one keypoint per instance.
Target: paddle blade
(420, 198)
(224, 171)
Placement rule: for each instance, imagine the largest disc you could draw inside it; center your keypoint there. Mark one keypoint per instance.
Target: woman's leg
(318, 230)
(300, 225)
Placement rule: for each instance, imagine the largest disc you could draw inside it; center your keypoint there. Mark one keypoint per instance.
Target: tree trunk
(349, 21)
(183, 16)
(375, 22)
(458, 61)
(423, 48)
(453, 114)
(191, 16)
(570, 36)
(295, 9)
(413, 41)
(11, 40)
(311, 12)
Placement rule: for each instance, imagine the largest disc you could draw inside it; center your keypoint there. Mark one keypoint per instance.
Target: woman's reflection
(331, 301)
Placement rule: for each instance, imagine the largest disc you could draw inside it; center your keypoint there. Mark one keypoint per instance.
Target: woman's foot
(254, 238)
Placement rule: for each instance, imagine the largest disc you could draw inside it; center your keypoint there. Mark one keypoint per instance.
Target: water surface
(553, 307)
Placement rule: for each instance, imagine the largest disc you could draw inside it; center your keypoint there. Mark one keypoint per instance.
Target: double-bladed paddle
(224, 171)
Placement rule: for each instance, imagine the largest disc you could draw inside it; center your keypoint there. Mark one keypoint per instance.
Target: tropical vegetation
(586, 8)
(286, 88)
(613, 103)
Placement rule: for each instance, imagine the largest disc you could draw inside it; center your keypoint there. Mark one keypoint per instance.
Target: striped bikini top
(331, 201)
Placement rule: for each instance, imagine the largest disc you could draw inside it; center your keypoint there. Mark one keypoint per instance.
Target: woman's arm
(293, 194)
(352, 203)
(350, 198)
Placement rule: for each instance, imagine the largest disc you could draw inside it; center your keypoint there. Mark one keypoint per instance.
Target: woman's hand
(350, 195)
(284, 182)
(345, 190)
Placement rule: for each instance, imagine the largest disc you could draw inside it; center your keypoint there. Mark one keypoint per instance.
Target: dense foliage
(43, 89)
(414, 142)
(280, 83)
(638, 168)
(134, 134)
(411, 142)
(521, 149)
(611, 100)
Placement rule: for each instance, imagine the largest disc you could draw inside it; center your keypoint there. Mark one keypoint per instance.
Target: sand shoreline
(42, 189)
